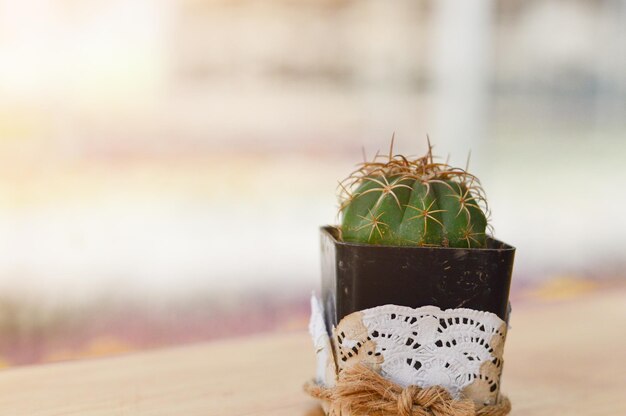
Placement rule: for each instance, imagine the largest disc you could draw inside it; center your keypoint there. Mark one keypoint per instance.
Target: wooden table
(565, 358)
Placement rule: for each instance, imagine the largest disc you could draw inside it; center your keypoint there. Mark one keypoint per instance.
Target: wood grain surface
(561, 358)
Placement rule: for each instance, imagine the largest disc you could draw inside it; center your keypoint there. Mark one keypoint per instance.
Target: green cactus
(412, 202)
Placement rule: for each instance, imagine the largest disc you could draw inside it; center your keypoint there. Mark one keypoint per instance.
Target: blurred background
(165, 164)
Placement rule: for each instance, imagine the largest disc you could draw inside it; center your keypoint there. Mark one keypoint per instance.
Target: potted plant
(413, 287)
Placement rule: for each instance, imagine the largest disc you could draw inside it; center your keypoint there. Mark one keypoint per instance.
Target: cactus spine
(394, 200)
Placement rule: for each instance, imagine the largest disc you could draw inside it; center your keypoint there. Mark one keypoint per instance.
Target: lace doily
(326, 371)
(459, 349)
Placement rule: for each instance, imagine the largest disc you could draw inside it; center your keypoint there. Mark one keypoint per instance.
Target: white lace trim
(325, 370)
(459, 349)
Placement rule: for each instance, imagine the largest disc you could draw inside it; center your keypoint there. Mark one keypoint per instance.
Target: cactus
(395, 200)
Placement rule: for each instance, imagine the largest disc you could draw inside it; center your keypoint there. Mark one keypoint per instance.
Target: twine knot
(415, 401)
(362, 391)
(406, 400)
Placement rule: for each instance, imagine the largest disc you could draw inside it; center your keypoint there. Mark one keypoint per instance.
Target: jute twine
(362, 391)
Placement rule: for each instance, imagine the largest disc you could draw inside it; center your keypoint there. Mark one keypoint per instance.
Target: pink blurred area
(165, 165)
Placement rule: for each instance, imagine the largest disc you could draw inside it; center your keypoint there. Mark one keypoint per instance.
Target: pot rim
(332, 230)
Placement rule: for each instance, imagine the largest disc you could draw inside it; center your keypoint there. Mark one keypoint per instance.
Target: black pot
(361, 276)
